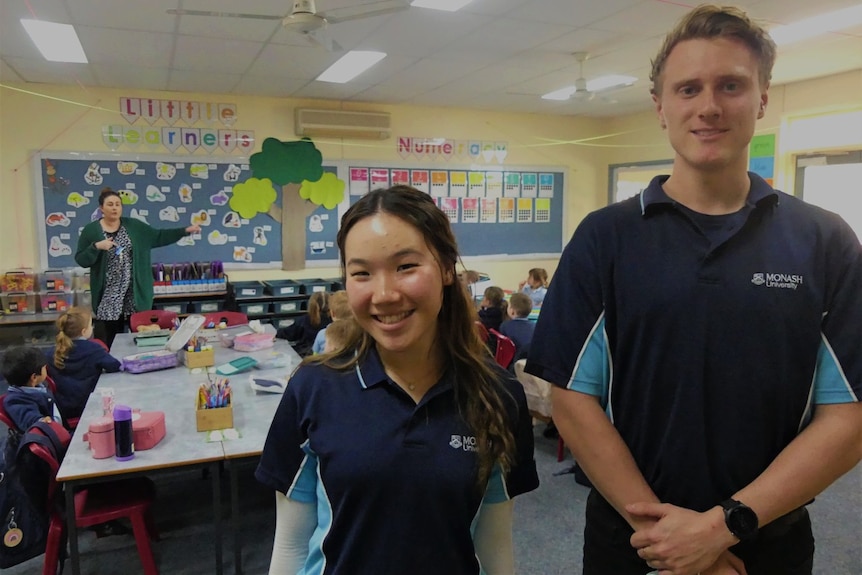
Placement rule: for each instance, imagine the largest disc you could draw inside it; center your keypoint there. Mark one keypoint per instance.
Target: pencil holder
(214, 418)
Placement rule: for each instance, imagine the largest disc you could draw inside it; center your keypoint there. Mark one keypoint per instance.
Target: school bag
(24, 481)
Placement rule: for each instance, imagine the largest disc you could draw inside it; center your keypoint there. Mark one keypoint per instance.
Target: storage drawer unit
(205, 306)
(247, 289)
(283, 287)
(288, 306)
(174, 306)
(18, 302)
(255, 308)
(56, 300)
(315, 285)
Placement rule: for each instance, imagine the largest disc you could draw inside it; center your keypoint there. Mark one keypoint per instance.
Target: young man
(704, 337)
(28, 401)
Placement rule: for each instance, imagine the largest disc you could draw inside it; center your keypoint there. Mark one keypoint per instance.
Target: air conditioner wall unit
(343, 124)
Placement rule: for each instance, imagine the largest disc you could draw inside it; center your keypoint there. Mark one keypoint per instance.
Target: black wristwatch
(741, 519)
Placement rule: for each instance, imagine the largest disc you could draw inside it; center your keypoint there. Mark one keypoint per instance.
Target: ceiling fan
(584, 90)
(306, 20)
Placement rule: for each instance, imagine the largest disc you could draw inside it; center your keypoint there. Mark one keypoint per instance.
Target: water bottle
(123, 439)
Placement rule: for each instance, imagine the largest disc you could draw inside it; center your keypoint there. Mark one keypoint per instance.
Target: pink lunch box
(148, 429)
(253, 341)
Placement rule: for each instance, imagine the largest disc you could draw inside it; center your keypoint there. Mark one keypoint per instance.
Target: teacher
(117, 251)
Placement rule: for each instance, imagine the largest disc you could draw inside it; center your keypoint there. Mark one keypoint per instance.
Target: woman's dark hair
(106, 193)
(474, 380)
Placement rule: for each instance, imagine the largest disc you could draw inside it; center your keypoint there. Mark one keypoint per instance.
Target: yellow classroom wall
(50, 121)
(38, 117)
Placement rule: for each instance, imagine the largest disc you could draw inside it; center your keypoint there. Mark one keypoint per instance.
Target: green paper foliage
(287, 162)
(328, 191)
(252, 196)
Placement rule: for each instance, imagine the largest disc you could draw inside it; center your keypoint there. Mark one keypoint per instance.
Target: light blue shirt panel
(592, 373)
(830, 383)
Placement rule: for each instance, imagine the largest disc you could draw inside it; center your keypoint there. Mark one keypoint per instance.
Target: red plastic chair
(164, 318)
(4, 417)
(71, 422)
(481, 331)
(505, 349)
(231, 318)
(97, 504)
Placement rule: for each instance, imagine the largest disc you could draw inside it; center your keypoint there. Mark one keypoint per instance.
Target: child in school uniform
(28, 400)
(493, 310)
(76, 361)
(339, 333)
(303, 331)
(339, 309)
(535, 286)
(519, 328)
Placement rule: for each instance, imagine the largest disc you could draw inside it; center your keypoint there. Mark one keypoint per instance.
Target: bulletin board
(165, 192)
(516, 211)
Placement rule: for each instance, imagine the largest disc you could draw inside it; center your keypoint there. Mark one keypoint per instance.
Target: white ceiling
(493, 54)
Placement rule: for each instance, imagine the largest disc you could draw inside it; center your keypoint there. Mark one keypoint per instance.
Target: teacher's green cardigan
(144, 238)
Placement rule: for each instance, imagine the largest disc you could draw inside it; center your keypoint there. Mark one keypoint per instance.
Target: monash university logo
(785, 281)
(465, 442)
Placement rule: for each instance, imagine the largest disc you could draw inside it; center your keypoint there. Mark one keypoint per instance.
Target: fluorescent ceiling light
(446, 5)
(595, 85)
(817, 25)
(57, 42)
(350, 66)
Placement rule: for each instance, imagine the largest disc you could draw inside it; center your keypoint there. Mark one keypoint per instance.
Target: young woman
(117, 251)
(77, 361)
(400, 451)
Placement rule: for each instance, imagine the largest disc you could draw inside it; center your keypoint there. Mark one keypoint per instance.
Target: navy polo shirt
(709, 358)
(394, 482)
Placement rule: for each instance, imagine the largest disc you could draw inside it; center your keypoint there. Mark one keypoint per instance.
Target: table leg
(234, 514)
(216, 476)
(72, 528)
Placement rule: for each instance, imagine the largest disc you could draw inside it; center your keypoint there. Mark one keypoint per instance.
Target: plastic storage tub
(83, 298)
(18, 281)
(55, 280)
(59, 301)
(176, 307)
(205, 306)
(287, 306)
(247, 289)
(18, 302)
(315, 285)
(256, 308)
(283, 287)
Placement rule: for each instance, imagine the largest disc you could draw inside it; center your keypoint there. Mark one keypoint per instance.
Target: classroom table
(173, 391)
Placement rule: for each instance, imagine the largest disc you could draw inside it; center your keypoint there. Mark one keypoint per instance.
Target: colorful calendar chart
(400, 177)
(525, 210)
(458, 184)
(512, 187)
(470, 210)
(543, 210)
(379, 178)
(419, 180)
(529, 185)
(477, 185)
(507, 210)
(494, 183)
(489, 211)
(546, 185)
(439, 183)
(359, 181)
(450, 208)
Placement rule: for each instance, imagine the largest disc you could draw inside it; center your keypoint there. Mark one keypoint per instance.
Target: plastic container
(287, 306)
(100, 437)
(282, 287)
(81, 282)
(205, 306)
(247, 289)
(55, 280)
(124, 438)
(150, 361)
(18, 302)
(314, 285)
(253, 341)
(58, 301)
(148, 429)
(18, 281)
(83, 298)
(174, 306)
(256, 308)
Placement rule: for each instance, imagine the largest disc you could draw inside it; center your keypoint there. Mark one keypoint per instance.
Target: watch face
(743, 522)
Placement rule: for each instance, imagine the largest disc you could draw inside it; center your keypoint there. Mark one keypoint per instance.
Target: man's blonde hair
(710, 21)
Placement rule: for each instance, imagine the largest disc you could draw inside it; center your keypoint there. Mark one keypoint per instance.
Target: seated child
(341, 334)
(77, 361)
(28, 400)
(303, 331)
(493, 310)
(535, 286)
(469, 279)
(519, 329)
(338, 309)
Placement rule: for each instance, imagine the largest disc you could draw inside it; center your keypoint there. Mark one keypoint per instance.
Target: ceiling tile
(329, 91)
(131, 47)
(269, 85)
(506, 36)
(577, 13)
(148, 15)
(118, 75)
(42, 71)
(200, 81)
(292, 61)
(213, 54)
(8, 75)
